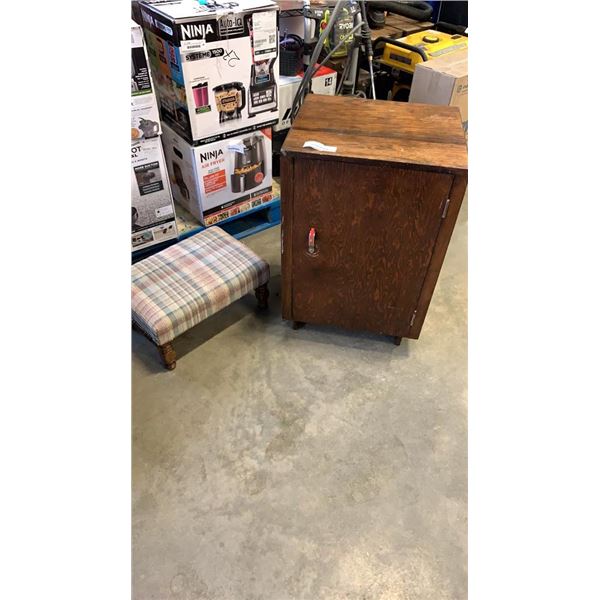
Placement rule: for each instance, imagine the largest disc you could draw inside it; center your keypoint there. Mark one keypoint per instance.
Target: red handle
(311, 240)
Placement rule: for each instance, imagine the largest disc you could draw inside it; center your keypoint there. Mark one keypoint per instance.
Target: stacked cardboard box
(223, 179)
(216, 69)
(323, 82)
(444, 81)
(152, 211)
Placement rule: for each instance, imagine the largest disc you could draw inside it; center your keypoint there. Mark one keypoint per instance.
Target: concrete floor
(277, 464)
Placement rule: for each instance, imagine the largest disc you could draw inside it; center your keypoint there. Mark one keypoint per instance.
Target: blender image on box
(248, 164)
(218, 65)
(262, 92)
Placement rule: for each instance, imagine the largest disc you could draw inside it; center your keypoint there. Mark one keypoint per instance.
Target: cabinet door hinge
(446, 205)
(412, 319)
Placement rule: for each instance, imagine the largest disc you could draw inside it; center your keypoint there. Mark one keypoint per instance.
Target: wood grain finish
(167, 353)
(418, 135)
(457, 193)
(383, 207)
(262, 296)
(287, 222)
(374, 240)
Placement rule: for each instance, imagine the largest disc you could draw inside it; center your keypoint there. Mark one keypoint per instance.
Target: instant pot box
(445, 81)
(145, 122)
(152, 210)
(216, 65)
(222, 179)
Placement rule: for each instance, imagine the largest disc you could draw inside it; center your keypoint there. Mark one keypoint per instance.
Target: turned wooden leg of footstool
(262, 295)
(168, 355)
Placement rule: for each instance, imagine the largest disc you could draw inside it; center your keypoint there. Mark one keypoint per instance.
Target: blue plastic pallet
(240, 226)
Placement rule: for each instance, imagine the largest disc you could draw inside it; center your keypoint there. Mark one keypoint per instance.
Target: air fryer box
(216, 65)
(444, 81)
(152, 210)
(323, 82)
(223, 179)
(145, 121)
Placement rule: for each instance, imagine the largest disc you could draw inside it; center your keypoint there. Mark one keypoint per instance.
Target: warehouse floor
(277, 464)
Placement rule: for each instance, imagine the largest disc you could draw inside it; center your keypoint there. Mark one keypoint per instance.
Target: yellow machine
(396, 60)
(429, 42)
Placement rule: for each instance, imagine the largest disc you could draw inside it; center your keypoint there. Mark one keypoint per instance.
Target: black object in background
(278, 139)
(419, 11)
(455, 13)
(136, 12)
(290, 54)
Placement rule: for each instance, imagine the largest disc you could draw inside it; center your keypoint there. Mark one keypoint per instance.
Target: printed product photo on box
(145, 121)
(152, 210)
(223, 179)
(323, 82)
(216, 65)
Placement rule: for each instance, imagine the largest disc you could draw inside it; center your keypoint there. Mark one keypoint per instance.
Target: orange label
(215, 181)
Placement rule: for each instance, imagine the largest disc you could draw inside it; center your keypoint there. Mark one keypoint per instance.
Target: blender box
(215, 65)
(323, 82)
(145, 122)
(220, 180)
(152, 210)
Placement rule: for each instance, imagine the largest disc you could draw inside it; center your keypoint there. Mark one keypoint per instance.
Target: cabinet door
(375, 228)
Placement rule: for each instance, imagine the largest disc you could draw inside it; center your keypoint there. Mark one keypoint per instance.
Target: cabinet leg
(262, 295)
(397, 340)
(298, 324)
(168, 355)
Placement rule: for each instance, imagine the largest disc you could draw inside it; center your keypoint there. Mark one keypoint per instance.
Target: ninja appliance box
(215, 65)
(152, 211)
(223, 179)
(145, 122)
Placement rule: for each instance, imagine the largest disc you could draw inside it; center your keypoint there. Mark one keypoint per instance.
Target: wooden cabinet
(365, 228)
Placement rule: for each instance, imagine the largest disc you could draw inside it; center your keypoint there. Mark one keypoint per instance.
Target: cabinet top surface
(380, 131)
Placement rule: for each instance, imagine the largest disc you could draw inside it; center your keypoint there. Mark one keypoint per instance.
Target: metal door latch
(311, 240)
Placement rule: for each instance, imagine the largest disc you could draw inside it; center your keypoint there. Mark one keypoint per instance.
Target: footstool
(179, 287)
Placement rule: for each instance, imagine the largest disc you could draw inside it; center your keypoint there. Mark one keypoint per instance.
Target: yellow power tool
(397, 59)
(405, 53)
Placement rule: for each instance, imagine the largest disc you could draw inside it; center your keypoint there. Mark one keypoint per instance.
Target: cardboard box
(216, 65)
(220, 180)
(145, 122)
(152, 210)
(323, 82)
(444, 81)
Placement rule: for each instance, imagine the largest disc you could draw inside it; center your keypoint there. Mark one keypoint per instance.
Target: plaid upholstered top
(177, 288)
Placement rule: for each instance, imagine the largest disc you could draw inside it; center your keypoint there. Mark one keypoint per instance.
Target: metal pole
(307, 35)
